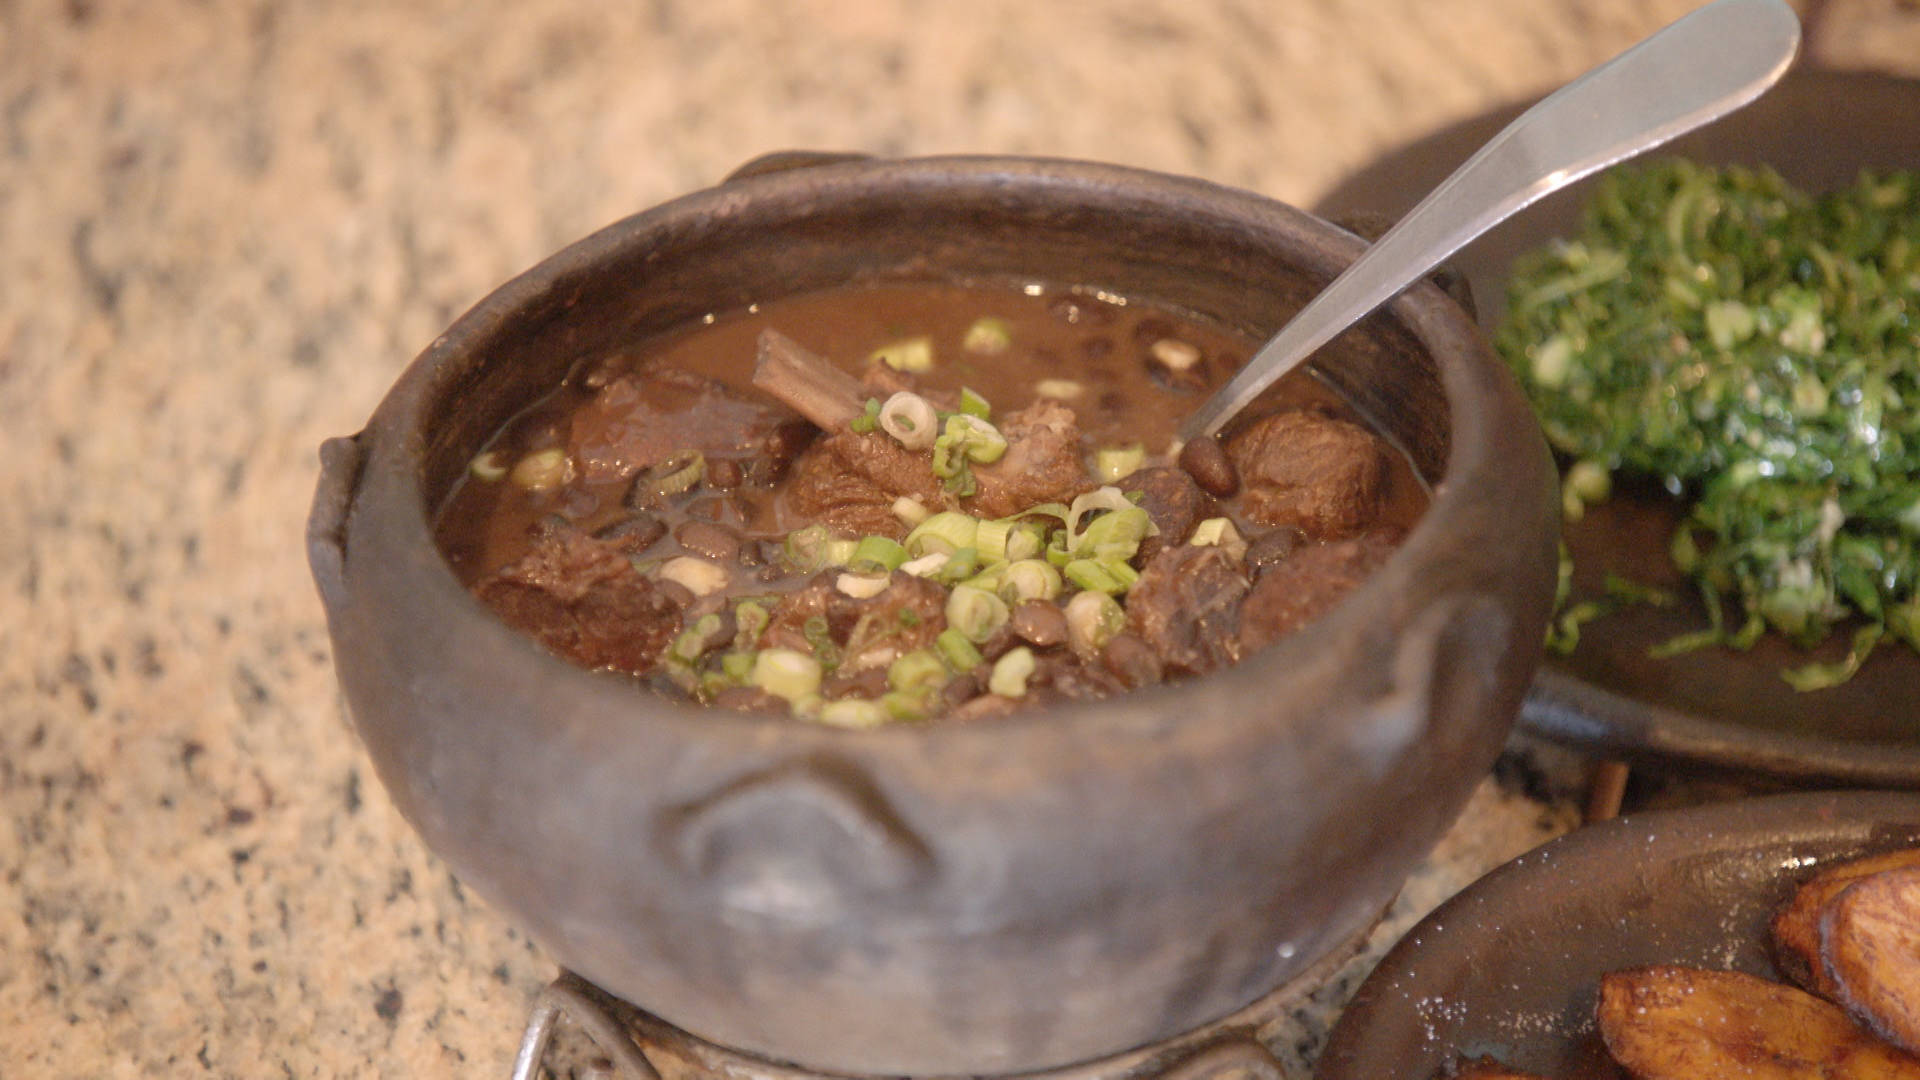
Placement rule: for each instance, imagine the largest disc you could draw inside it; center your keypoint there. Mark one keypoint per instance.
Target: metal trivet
(640, 1046)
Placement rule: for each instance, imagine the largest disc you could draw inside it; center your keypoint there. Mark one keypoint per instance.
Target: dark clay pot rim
(1450, 335)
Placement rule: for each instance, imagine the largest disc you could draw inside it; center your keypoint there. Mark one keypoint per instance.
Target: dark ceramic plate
(1510, 967)
(1819, 129)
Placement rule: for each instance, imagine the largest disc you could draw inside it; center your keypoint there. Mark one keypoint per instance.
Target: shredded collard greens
(1756, 351)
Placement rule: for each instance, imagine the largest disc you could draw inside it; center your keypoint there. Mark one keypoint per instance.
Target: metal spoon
(1700, 68)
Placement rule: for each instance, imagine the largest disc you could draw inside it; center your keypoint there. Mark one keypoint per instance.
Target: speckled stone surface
(226, 226)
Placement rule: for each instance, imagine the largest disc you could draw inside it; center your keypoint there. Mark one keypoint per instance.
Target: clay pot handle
(341, 460)
(803, 841)
(785, 160)
(1445, 671)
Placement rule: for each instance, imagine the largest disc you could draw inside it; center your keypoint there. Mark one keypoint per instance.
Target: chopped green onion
(1175, 354)
(750, 619)
(1011, 671)
(1029, 579)
(1117, 463)
(959, 566)
(975, 612)
(489, 465)
(1110, 576)
(677, 474)
(909, 354)
(910, 419)
(910, 510)
(543, 469)
(989, 335)
(947, 531)
(958, 653)
(916, 670)
(908, 704)
(1027, 540)
(1219, 532)
(785, 673)
(853, 713)
(972, 404)
(1093, 618)
(861, 586)
(928, 565)
(877, 553)
(738, 666)
(819, 638)
(868, 419)
(814, 548)
(987, 579)
(1101, 498)
(1114, 536)
(982, 441)
(840, 552)
(991, 539)
(695, 574)
(695, 639)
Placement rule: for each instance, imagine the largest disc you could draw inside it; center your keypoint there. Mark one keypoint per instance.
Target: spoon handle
(1700, 68)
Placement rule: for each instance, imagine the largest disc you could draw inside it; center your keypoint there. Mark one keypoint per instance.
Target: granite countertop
(225, 226)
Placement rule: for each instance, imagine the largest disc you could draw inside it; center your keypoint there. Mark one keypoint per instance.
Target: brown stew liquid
(660, 515)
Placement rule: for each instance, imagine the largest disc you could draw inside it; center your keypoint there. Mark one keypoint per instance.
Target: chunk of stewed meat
(905, 616)
(1307, 584)
(582, 598)
(1042, 463)
(1172, 500)
(855, 634)
(849, 482)
(1067, 678)
(640, 418)
(1186, 606)
(1317, 473)
(814, 613)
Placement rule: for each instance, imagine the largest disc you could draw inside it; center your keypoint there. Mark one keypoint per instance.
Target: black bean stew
(896, 502)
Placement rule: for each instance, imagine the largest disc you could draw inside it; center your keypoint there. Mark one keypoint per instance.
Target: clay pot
(993, 897)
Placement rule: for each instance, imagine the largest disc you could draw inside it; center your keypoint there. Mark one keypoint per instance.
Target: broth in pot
(907, 501)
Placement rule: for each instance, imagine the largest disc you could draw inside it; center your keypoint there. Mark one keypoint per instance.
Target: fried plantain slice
(1870, 942)
(1677, 1023)
(1796, 927)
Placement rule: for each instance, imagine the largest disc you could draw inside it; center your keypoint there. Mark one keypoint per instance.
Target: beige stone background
(224, 228)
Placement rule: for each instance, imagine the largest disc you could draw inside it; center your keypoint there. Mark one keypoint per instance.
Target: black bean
(1208, 464)
(634, 534)
(1272, 547)
(579, 504)
(1132, 661)
(726, 508)
(711, 539)
(749, 699)
(724, 473)
(1189, 378)
(997, 643)
(724, 627)
(1152, 329)
(869, 683)
(960, 689)
(760, 552)
(677, 594)
(1039, 622)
